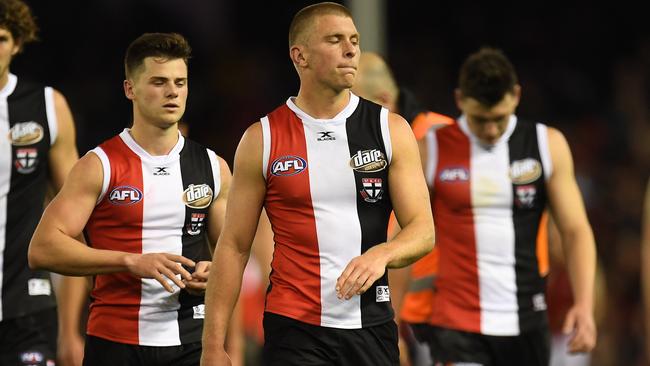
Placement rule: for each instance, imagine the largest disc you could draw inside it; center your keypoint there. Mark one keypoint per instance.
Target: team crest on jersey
(372, 190)
(26, 133)
(196, 223)
(30, 358)
(368, 161)
(525, 171)
(125, 195)
(197, 196)
(525, 196)
(457, 174)
(288, 165)
(26, 160)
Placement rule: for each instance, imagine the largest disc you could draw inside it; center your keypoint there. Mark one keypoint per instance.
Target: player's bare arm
(569, 214)
(54, 248)
(412, 210)
(233, 248)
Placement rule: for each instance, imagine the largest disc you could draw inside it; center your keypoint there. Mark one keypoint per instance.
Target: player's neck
(4, 78)
(153, 139)
(322, 104)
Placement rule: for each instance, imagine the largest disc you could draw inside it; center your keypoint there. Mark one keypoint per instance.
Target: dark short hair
(164, 45)
(304, 17)
(17, 18)
(487, 75)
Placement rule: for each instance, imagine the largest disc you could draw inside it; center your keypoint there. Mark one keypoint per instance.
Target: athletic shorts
(288, 342)
(102, 352)
(29, 340)
(453, 347)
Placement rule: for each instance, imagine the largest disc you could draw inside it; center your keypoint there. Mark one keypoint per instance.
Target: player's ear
(128, 89)
(298, 57)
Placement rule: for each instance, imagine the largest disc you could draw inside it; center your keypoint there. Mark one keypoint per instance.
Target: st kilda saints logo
(26, 133)
(195, 224)
(197, 196)
(368, 161)
(372, 190)
(26, 160)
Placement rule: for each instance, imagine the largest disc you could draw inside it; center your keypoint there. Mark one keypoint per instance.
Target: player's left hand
(199, 282)
(580, 324)
(361, 273)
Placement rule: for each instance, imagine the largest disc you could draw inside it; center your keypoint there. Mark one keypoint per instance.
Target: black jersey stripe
(374, 206)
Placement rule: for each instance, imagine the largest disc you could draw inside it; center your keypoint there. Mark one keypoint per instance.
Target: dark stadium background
(584, 68)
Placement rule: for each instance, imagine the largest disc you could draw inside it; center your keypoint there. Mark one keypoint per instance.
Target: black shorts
(449, 347)
(290, 342)
(29, 340)
(102, 352)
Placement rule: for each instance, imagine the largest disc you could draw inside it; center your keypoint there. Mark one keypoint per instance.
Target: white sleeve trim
(106, 167)
(544, 150)
(266, 137)
(216, 172)
(432, 157)
(50, 110)
(385, 133)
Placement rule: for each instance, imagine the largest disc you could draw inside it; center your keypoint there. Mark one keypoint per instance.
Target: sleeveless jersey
(28, 127)
(150, 204)
(328, 201)
(488, 204)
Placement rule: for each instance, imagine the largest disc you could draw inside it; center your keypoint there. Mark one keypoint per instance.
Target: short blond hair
(304, 18)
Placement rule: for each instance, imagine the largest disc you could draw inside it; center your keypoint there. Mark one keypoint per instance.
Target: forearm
(54, 251)
(580, 254)
(414, 241)
(222, 292)
(71, 300)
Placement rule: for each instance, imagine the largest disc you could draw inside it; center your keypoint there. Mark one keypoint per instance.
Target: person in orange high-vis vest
(411, 287)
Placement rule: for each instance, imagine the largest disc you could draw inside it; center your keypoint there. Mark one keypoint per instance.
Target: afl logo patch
(368, 161)
(26, 133)
(525, 171)
(455, 174)
(197, 196)
(125, 195)
(288, 165)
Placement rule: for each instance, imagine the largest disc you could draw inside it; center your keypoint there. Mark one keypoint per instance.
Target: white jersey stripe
(432, 157)
(50, 109)
(333, 193)
(385, 134)
(266, 135)
(5, 170)
(106, 168)
(544, 152)
(216, 172)
(491, 193)
(158, 318)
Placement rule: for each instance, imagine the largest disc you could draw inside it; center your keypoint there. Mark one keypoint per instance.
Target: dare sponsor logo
(288, 165)
(26, 133)
(525, 171)
(197, 196)
(454, 174)
(368, 161)
(125, 195)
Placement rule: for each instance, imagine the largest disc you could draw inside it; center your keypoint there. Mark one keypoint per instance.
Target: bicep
(412, 198)
(63, 153)
(247, 191)
(217, 213)
(567, 206)
(71, 208)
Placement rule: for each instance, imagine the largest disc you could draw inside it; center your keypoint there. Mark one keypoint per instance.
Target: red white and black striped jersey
(28, 128)
(328, 201)
(150, 204)
(488, 202)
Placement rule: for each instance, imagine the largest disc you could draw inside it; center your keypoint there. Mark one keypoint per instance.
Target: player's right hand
(161, 267)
